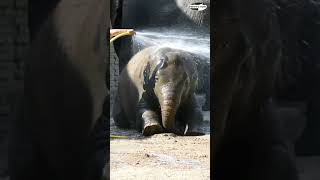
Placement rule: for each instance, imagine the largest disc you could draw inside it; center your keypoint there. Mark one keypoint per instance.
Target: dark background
(14, 39)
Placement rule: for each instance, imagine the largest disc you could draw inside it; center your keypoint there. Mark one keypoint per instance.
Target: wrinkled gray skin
(174, 105)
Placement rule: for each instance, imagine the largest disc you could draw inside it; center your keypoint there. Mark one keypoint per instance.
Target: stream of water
(187, 41)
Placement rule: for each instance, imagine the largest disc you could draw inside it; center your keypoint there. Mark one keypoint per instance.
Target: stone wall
(13, 43)
(114, 75)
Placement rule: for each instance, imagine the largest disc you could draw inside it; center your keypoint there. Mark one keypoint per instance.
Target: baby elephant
(156, 93)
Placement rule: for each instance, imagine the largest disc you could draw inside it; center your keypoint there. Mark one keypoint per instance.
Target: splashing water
(192, 42)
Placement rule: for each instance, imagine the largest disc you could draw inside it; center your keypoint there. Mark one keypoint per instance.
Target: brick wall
(13, 43)
(114, 75)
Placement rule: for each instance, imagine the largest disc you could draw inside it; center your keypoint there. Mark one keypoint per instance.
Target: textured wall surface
(13, 43)
(114, 75)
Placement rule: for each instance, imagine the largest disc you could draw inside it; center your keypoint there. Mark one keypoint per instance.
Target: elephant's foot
(193, 131)
(151, 129)
(151, 124)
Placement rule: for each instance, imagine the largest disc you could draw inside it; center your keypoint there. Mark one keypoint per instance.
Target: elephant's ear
(191, 65)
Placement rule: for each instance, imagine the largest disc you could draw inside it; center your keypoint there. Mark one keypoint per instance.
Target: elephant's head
(175, 79)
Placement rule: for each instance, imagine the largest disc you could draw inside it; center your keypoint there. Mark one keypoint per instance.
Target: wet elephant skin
(156, 93)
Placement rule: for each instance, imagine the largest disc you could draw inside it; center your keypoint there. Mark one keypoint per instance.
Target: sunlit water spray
(194, 43)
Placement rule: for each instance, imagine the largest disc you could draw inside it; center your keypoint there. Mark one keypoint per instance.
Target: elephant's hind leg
(118, 114)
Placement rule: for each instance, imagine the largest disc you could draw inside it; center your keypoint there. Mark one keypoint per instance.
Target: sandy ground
(161, 156)
(167, 156)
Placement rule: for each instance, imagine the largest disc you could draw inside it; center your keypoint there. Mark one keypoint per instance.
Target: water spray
(197, 43)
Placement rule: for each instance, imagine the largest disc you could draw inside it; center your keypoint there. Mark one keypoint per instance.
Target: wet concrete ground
(133, 134)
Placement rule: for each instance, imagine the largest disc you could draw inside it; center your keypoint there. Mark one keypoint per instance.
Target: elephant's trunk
(169, 105)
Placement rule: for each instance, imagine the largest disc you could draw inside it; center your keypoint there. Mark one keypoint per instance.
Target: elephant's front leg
(192, 117)
(148, 119)
(151, 123)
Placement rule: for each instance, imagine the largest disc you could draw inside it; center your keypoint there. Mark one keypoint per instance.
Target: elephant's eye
(156, 78)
